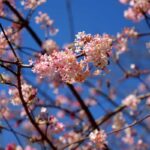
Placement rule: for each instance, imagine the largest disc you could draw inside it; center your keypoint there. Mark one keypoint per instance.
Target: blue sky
(92, 16)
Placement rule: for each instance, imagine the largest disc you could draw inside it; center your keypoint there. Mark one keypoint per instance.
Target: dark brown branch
(83, 106)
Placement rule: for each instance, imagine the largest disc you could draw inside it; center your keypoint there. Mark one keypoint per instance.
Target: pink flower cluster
(46, 22)
(99, 138)
(55, 126)
(32, 4)
(131, 101)
(62, 63)
(98, 49)
(13, 146)
(4, 109)
(137, 9)
(130, 32)
(46, 122)
(69, 138)
(1, 8)
(118, 121)
(121, 40)
(49, 46)
(11, 34)
(95, 48)
(29, 94)
(129, 136)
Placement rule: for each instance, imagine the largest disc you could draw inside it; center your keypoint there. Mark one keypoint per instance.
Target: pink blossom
(121, 40)
(55, 126)
(61, 99)
(124, 1)
(32, 4)
(136, 9)
(97, 50)
(130, 32)
(129, 137)
(141, 145)
(29, 94)
(64, 64)
(80, 41)
(49, 46)
(133, 14)
(11, 147)
(46, 22)
(118, 121)
(131, 101)
(121, 44)
(13, 35)
(6, 112)
(98, 137)
(28, 147)
(44, 19)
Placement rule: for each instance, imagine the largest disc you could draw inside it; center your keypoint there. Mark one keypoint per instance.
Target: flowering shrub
(93, 93)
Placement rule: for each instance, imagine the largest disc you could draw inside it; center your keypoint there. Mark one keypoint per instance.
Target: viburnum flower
(80, 41)
(68, 67)
(6, 112)
(29, 94)
(69, 137)
(129, 136)
(44, 66)
(61, 99)
(124, 1)
(62, 63)
(13, 146)
(121, 44)
(46, 22)
(44, 19)
(133, 14)
(99, 138)
(121, 39)
(137, 9)
(55, 126)
(130, 32)
(49, 46)
(141, 145)
(131, 101)
(12, 34)
(118, 121)
(98, 49)
(95, 48)
(32, 4)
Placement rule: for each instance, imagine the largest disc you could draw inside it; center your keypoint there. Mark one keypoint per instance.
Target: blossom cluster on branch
(137, 9)
(95, 49)
(69, 97)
